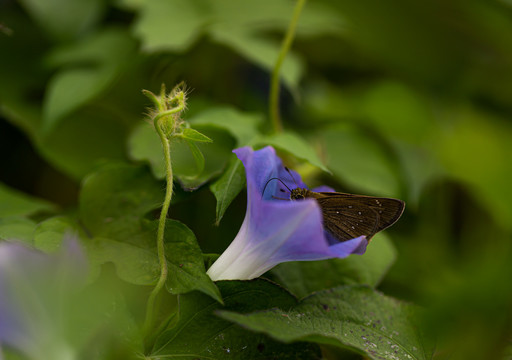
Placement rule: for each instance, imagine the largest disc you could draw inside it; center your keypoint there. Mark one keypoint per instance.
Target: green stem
(161, 229)
(274, 82)
(153, 99)
(166, 113)
(165, 123)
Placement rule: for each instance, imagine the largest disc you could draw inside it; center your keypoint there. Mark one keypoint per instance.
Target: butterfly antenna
(291, 175)
(269, 180)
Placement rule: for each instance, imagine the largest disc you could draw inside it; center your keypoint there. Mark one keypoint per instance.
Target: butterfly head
(299, 194)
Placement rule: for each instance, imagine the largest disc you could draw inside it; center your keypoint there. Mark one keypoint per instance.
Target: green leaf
(198, 157)
(48, 235)
(17, 228)
(80, 142)
(199, 333)
(15, 203)
(187, 20)
(137, 263)
(115, 199)
(305, 277)
(265, 15)
(65, 19)
(294, 145)
(194, 135)
(228, 186)
(144, 145)
(361, 162)
(134, 263)
(157, 20)
(351, 317)
(105, 56)
(216, 156)
(243, 126)
(242, 27)
(185, 262)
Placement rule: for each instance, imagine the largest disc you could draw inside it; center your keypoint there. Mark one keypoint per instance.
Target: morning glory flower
(35, 289)
(275, 229)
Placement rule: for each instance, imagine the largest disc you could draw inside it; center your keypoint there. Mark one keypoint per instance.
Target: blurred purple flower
(35, 289)
(274, 230)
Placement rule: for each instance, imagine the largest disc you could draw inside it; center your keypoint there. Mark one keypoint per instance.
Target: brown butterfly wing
(347, 216)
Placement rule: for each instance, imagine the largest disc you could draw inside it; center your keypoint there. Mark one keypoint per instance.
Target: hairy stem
(274, 82)
(161, 228)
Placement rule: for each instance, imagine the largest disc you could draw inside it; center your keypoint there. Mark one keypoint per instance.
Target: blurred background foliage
(398, 98)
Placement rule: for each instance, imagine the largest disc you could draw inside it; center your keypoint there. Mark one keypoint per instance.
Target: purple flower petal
(33, 287)
(274, 230)
(266, 165)
(323, 188)
(11, 322)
